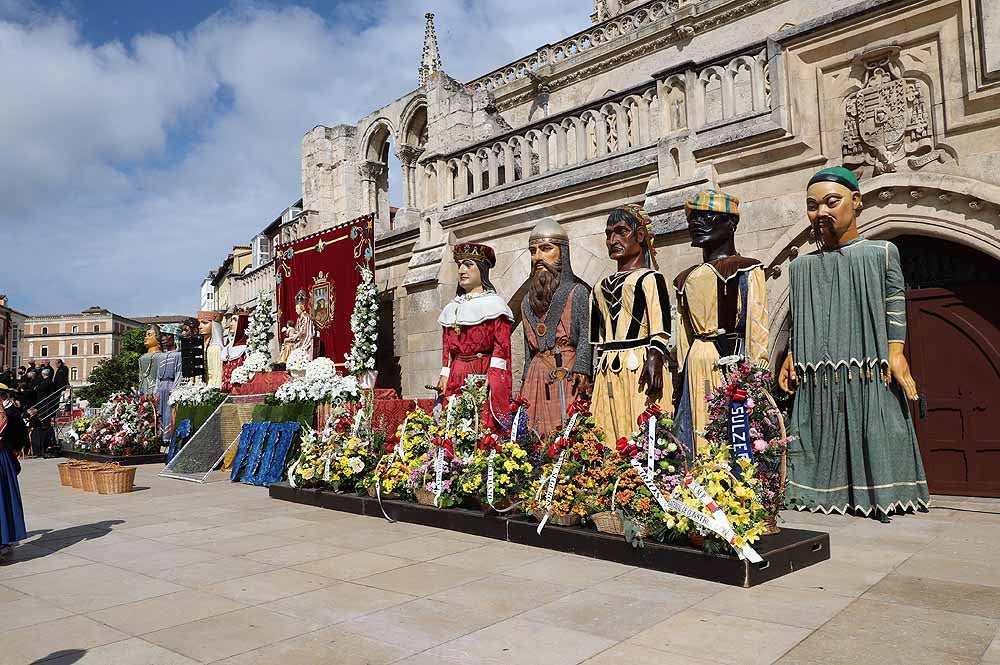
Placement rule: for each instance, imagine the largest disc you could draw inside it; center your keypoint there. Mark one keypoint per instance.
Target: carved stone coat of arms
(887, 120)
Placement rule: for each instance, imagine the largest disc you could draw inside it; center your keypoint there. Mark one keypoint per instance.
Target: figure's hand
(651, 379)
(677, 380)
(581, 384)
(442, 384)
(787, 378)
(899, 368)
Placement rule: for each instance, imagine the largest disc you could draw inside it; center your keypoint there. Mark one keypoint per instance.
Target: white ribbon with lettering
(516, 423)
(717, 523)
(439, 457)
(489, 477)
(554, 478)
(401, 447)
(357, 421)
(438, 475)
(650, 445)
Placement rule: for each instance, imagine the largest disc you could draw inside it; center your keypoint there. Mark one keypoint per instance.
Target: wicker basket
(771, 525)
(75, 480)
(64, 478)
(425, 497)
(112, 480)
(88, 481)
(609, 521)
(373, 493)
(571, 519)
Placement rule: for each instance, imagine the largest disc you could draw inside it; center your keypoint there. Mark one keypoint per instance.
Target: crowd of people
(37, 393)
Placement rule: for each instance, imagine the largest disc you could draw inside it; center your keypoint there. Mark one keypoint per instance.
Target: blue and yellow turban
(711, 200)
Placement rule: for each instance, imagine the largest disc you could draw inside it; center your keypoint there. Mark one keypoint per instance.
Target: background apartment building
(11, 333)
(81, 340)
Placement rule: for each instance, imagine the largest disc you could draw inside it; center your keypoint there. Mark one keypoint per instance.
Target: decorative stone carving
(887, 120)
(409, 154)
(885, 195)
(916, 194)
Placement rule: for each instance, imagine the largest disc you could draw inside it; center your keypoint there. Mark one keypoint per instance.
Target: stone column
(371, 175)
(408, 156)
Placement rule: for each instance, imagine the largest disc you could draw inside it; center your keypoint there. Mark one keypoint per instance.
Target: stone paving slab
(180, 573)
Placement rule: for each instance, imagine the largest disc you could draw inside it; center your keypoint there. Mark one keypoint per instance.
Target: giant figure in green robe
(855, 447)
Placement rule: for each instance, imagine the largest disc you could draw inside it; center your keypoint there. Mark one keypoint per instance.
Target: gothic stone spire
(432, 57)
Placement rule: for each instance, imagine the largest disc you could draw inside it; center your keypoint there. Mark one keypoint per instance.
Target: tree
(117, 374)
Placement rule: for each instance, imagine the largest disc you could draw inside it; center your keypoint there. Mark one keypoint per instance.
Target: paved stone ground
(179, 573)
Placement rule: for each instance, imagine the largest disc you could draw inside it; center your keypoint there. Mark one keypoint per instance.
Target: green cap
(837, 174)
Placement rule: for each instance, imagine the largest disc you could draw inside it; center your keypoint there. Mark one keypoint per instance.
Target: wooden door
(954, 351)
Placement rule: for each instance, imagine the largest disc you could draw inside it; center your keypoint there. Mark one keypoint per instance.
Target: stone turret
(431, 61)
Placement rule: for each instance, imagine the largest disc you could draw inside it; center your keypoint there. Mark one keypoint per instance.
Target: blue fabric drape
(12, 527)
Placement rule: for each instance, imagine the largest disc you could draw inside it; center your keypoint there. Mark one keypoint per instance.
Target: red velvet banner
(326, 268)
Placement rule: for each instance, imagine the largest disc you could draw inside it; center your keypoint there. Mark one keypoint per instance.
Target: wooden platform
(124, 460)
(783, 553)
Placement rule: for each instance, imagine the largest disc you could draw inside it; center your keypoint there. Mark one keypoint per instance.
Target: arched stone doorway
(954, 351)
(953, 344)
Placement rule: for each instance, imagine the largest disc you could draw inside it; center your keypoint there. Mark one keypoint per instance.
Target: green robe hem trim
(841, 510)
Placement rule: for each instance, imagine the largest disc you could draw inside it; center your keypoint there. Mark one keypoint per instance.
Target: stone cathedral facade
(650, 102)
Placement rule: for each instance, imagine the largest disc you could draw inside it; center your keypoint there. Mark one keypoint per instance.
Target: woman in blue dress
(13, 435)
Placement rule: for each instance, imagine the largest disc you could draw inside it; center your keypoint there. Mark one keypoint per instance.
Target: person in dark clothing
(61, 379)
(13, 434)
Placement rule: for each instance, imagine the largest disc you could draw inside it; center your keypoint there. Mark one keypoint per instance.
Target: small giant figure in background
(168, 377)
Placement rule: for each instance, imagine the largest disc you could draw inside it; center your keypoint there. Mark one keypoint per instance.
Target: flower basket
(425, 497)
(609, 521)
(771, 525)
(64, 477)
(373, 493)
(571, 519)
(504, 506)
(111, 480)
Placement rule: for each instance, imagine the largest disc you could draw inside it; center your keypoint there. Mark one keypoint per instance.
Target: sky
(141, 139)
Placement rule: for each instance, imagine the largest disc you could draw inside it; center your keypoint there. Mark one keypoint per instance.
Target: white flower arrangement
(297, 360)
(364, 325)
(261, 324)
(194, 394)
(320, 369)
(336, 389)
(257, 361)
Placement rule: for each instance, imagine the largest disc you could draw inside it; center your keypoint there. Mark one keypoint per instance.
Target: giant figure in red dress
(476, 329)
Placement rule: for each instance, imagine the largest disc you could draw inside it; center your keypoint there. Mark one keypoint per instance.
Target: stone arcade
(657, 100)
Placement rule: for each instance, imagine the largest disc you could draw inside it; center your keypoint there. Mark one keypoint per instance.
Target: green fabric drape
(855, 446)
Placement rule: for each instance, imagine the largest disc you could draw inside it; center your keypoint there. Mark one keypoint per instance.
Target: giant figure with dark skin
(629, 327)
(721, 311)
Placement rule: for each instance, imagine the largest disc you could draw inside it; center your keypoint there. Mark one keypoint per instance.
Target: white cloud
(128, 170)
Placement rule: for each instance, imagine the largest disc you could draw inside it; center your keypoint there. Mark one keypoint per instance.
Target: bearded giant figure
(557, 352)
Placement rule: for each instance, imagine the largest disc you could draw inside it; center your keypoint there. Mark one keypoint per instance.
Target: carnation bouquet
(336, 457)
(738, 498)
(497, 473)
(126, 425)
(455, 435)
(402, 450)
(746, 385)
(633, 509)
(572, 473)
